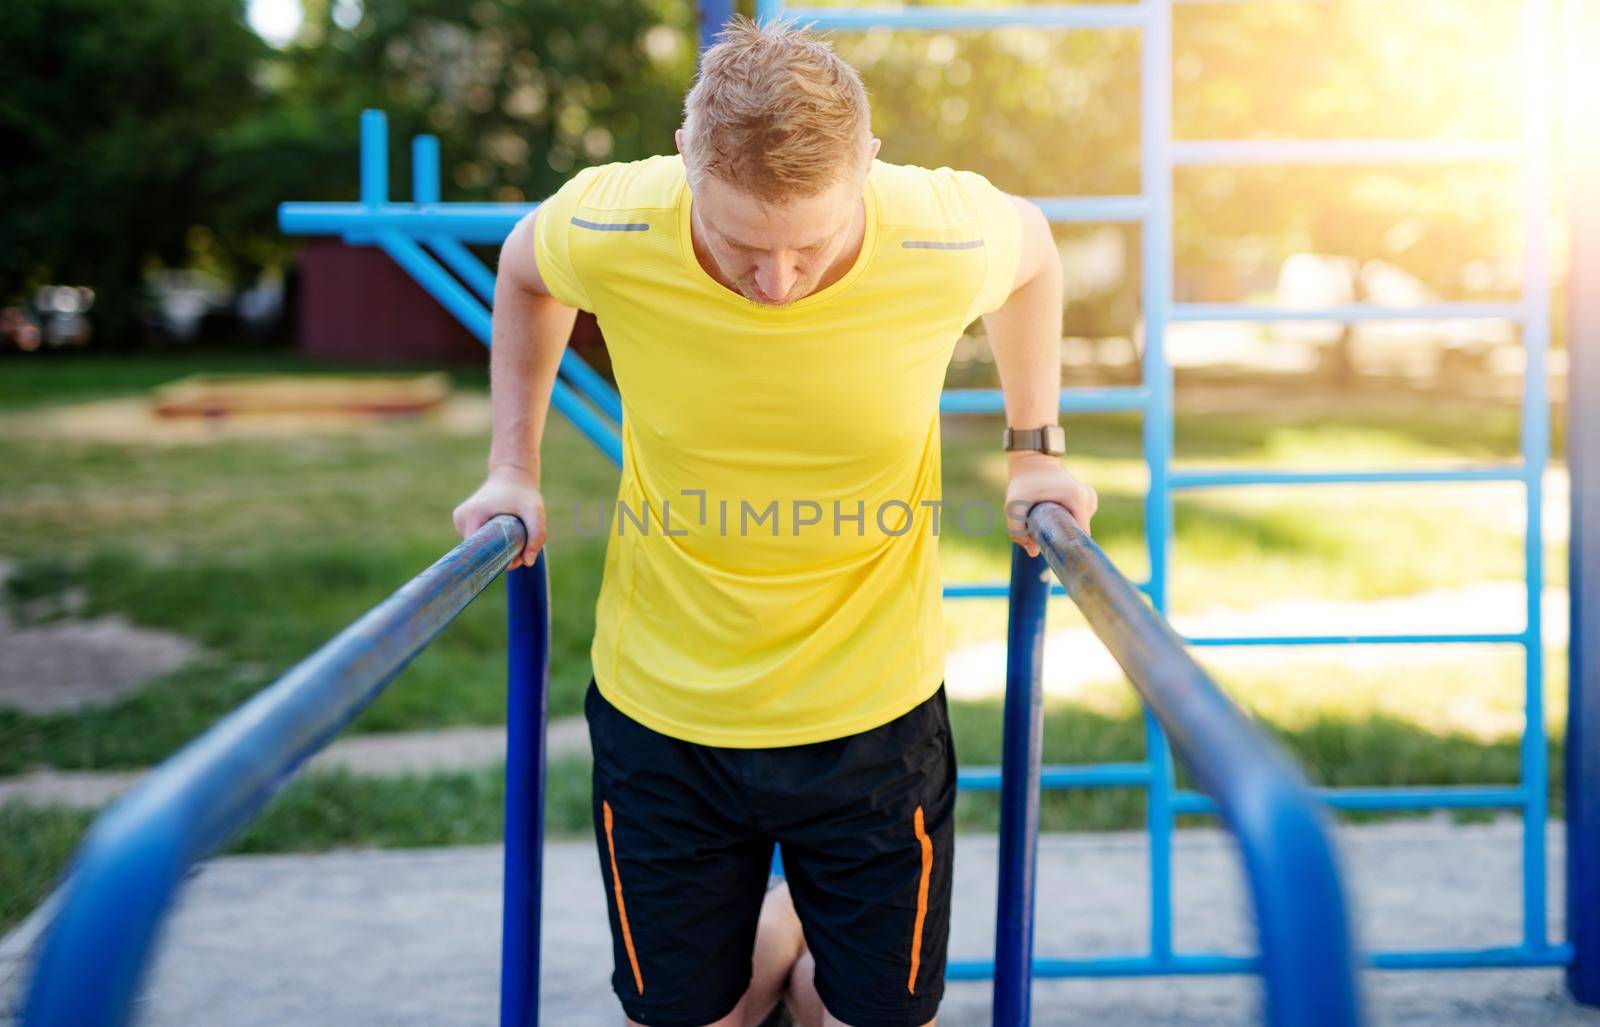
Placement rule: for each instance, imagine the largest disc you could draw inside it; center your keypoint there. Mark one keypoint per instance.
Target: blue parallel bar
(1101, 775)
(1441, 797)
(1202, 479)
(1307, 959)
(127, 871)
(991, 401)
(1203, 963)
(527, 710)
(1019, 789)
(1582, 770)
(1419, 638)
(1077, 16)
(1348, 313)
(1193, 152)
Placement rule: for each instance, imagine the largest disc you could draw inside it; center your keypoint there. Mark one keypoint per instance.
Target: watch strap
(1051, 439)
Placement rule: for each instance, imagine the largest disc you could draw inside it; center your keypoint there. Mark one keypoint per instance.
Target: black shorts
(686, 832)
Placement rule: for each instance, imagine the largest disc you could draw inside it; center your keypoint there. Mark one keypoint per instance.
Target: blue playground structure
(131, 865)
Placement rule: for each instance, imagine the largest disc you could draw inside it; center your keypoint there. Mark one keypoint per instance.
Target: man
(780, 309)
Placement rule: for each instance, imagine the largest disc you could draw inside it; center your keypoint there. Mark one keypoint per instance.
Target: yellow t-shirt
(772, 572)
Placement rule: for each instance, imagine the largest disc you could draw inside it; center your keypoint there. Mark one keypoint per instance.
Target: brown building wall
(357, 306)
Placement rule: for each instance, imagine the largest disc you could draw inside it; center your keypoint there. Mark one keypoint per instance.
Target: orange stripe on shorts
(922, 899)
(622, 910)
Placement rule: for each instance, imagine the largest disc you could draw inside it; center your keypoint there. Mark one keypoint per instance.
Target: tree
(109, 110)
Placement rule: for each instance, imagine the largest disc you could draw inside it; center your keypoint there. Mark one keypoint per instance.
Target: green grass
(318, 812)
(325, 811)
(262, 548)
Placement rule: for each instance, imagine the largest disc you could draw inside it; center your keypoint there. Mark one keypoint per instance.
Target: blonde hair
(775, 112)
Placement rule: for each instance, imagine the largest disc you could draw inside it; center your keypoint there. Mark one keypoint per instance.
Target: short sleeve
(552, 234)
(1000, 227)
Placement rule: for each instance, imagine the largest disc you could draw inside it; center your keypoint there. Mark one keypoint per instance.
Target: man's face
(775, 253)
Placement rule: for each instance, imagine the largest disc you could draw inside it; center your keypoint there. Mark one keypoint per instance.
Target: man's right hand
(507, 490)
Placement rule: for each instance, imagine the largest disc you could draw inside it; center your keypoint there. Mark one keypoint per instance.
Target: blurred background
(165, 554)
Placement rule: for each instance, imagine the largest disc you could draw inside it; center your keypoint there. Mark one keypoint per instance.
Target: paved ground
(402, 938)
(375, 755)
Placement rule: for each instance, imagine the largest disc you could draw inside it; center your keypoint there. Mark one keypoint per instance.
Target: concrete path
(374, 755)
(403, 938)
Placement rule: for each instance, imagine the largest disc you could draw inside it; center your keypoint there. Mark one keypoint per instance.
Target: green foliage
(109, 114)
(520, 92)
(142, 133)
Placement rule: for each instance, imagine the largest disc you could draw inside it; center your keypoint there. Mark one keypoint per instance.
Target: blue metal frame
(408, 231)
(1160, 154)
(127, 872)
(1583, 461)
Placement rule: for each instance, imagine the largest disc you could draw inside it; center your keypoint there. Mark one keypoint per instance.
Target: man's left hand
(1040, 477)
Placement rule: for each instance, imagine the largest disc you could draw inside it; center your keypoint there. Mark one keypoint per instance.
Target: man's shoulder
(641, 185)
(913, 196)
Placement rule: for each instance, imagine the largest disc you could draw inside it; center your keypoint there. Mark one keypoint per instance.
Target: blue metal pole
(1156, 182)
(455, 298)
(527, 706)
(1019, 789)
(1583, 462)
(1535, 454)
(374, 158)
(713, 15)
(425, 169)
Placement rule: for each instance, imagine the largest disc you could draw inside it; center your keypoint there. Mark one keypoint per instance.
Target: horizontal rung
(992, 401)
(1559, 954)
(1441, 797)
(1002, 590)
(998, 591)
(1111, 966)
(1078, 209)
(1347, 313)
(1344, 151)
(855, 19)
(1220, 478)
(1419, 638)
(1103, 775)
(464, 222)
(1194, 963)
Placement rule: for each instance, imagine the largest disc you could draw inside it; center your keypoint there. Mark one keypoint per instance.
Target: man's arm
(1025, 335)
(529, 335)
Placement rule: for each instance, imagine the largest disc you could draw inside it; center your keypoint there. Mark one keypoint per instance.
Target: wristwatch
(1051, 439)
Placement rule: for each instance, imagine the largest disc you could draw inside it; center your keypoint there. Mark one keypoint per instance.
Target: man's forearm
(529, 336)
(1025, 336)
